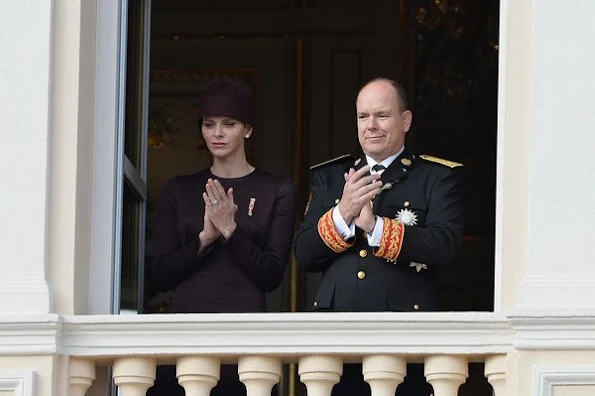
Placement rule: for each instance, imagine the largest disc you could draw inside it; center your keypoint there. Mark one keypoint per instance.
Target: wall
(560, 254)
(45, 372)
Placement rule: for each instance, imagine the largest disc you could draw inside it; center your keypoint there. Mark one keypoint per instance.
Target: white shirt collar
(387, 161)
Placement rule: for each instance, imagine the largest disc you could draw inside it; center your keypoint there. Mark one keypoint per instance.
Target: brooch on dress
(251, 206)
(406, 217)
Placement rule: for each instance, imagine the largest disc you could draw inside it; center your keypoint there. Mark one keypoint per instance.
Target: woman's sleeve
(266, 267)
(172, 261)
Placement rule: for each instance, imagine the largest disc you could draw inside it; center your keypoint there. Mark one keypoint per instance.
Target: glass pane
(135, 81)
(129, 295)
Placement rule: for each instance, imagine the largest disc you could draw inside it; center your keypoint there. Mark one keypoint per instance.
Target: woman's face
(225, 136)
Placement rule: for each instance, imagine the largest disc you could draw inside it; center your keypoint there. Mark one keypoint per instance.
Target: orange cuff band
(329, 234)
(392, 240)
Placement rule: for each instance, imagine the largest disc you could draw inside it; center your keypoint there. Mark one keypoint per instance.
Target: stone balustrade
(318, 343)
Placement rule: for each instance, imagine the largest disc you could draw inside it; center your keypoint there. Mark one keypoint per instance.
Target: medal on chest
(407, 217)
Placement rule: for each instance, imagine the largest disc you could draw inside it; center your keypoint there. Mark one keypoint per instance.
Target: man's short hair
(399, 90)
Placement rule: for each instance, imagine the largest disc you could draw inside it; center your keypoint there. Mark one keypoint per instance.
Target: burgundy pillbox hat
(227, 99)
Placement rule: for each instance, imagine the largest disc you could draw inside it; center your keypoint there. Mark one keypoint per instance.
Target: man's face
(381, 125)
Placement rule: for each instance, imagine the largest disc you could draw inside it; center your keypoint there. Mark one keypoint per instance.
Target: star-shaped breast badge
(406, 217)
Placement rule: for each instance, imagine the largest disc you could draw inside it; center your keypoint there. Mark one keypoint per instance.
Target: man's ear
(407, 118)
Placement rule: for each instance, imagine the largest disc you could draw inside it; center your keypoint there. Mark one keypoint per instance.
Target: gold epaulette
(450, 164)
(340, 158)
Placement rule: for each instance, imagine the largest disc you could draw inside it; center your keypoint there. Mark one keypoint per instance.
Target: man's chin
(373, 153)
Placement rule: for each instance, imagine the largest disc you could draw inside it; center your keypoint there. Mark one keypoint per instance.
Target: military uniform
(420, 202)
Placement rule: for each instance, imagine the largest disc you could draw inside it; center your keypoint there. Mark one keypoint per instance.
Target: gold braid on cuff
(329, 234)
(392, 240)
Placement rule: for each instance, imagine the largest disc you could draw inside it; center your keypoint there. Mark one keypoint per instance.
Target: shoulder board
(341, 158)
(450, 164)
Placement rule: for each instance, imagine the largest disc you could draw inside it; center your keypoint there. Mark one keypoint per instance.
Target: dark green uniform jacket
(423, 193)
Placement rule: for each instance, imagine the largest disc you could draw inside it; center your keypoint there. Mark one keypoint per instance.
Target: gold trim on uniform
(391, 241)
(339, 158)
(329, 234)
(450, 164)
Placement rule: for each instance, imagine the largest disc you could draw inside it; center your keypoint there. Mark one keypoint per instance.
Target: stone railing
(319, 343)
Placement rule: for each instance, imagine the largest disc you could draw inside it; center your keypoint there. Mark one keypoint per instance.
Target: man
(379, 226)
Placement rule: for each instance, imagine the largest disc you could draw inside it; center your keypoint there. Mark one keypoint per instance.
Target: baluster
(495, 371)
(446, 373)
(320, 373)
(384, 373)
(198, 374)
(81, 373)
(134, 375)
(259, 374)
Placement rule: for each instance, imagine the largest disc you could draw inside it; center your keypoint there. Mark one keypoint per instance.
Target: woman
(223, 235)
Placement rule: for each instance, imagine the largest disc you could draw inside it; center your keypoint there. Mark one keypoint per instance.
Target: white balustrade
(134, 375)
(320, 373)
(259, 374)
(198, 374)
(495, 372)
(446, 373)
(81, 373)
(384, 373)
(262, 343)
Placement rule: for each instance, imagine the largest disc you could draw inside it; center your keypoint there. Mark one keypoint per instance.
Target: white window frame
(108, 147)
(108, 153)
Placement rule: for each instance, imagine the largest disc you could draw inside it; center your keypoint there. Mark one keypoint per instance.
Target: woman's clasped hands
(220, 210)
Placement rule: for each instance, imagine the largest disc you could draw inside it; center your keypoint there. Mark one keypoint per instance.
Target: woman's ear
(248, 131)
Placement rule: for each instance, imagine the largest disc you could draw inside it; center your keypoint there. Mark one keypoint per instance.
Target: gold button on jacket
(363, 253)
(361, 275)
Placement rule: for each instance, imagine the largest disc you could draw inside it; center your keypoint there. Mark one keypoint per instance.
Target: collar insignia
(386, 186)
(406, 217)
(406, 161)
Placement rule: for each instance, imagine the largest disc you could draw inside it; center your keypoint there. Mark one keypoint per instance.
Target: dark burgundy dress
(228, 276)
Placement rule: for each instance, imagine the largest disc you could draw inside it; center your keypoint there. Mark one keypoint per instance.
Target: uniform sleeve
(318, 242)
(172, 261)
(266, 267)
(437, 242)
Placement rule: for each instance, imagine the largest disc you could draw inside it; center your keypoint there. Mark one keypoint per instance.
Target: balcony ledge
(474, 334)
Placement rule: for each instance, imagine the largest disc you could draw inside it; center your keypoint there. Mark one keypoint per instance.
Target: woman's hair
(227, 97)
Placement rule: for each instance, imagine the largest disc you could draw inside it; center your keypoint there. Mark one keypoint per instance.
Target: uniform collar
(399, 167)
(387, 161)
